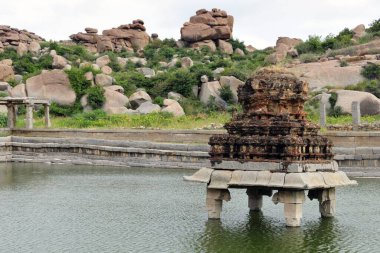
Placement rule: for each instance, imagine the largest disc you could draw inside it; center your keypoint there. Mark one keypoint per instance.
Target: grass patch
(99, 120)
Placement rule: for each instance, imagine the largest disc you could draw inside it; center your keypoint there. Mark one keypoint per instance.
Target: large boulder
(321, 74)
(22, 49)
(175, 96)
(59, 62)
(369, 104)
(6, 72)
(103, 61)
(186, 62)
(34, 48)
(233, 83)
(103, 80)
(207, 25)
(359, 31)
(173, 107)
(212, 89)
(53, 85)
(18, 91)
(206, 43)
(362, 49)
(138, 98)
(225, 47)
(148, 107)
(116, 102)
(147, 72)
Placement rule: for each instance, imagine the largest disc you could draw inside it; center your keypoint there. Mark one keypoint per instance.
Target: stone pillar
(11, 115)
(322, 114)
(47, 116)
(29, 116)
(293, 201)
(214, 201)
(355, 107)
(327, 202)
(255, 200)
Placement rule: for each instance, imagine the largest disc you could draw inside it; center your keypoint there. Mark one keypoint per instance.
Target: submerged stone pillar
(29, 116)
(327, 202)
(47, 116)
(214, 201)
(293, 201)
(255, 198)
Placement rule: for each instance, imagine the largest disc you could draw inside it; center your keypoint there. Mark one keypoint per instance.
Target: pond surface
(45, 208)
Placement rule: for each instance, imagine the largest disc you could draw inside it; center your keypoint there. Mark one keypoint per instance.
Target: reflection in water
(263, 234)
(48, 208)
(6, 171)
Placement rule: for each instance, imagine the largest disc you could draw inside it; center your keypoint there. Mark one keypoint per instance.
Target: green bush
(308, 57)
(70, 52)
(374, 27)
(96, 97)
(3, 120)
(335, 111)
(237, 44)
(238, 73)
(332, 99)
(226, 94)
(343, 63)
(371, 71)
(124, 80)
(181, 81)
(159, 100)
(78, 81)
(371, 86)
(312, 45)
(199, 70)
(63, 110)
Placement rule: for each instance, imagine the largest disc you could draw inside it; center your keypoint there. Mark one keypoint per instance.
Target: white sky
(257, 22)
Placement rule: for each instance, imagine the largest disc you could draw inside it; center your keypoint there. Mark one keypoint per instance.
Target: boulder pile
(209, 28)
(128, 37)
(284, 46)
(13, 37)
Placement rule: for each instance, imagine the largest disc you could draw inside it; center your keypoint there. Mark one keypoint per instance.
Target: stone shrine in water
(272, 147)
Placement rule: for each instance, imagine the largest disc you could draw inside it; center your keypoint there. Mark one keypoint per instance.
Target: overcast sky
(257, 22)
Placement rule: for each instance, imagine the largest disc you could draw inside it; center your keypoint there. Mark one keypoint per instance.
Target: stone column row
(292, 200)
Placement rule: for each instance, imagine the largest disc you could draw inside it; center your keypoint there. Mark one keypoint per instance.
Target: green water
(47, 208)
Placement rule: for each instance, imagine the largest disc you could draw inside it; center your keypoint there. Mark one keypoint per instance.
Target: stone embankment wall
(357, 153)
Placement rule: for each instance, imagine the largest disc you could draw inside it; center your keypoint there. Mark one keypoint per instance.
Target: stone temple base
(290, 189)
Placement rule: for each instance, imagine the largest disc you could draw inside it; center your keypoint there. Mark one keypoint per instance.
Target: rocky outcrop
(321, 74)
(148, 107)
(6, 72)
(214, 27)
(209, 90)
(233, 83)
(284, 46)
(53, 85)
(129, 37)
(138, 98)
(369, 103)
(359, 31)
(12, 37)
(173, 107)
(359, 50)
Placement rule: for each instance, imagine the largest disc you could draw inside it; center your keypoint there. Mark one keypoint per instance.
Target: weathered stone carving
(273, 125)
(272, 146)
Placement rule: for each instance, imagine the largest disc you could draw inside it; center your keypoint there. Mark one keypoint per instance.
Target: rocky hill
(123, 70)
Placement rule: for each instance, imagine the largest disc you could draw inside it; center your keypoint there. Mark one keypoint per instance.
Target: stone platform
(290, 188)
